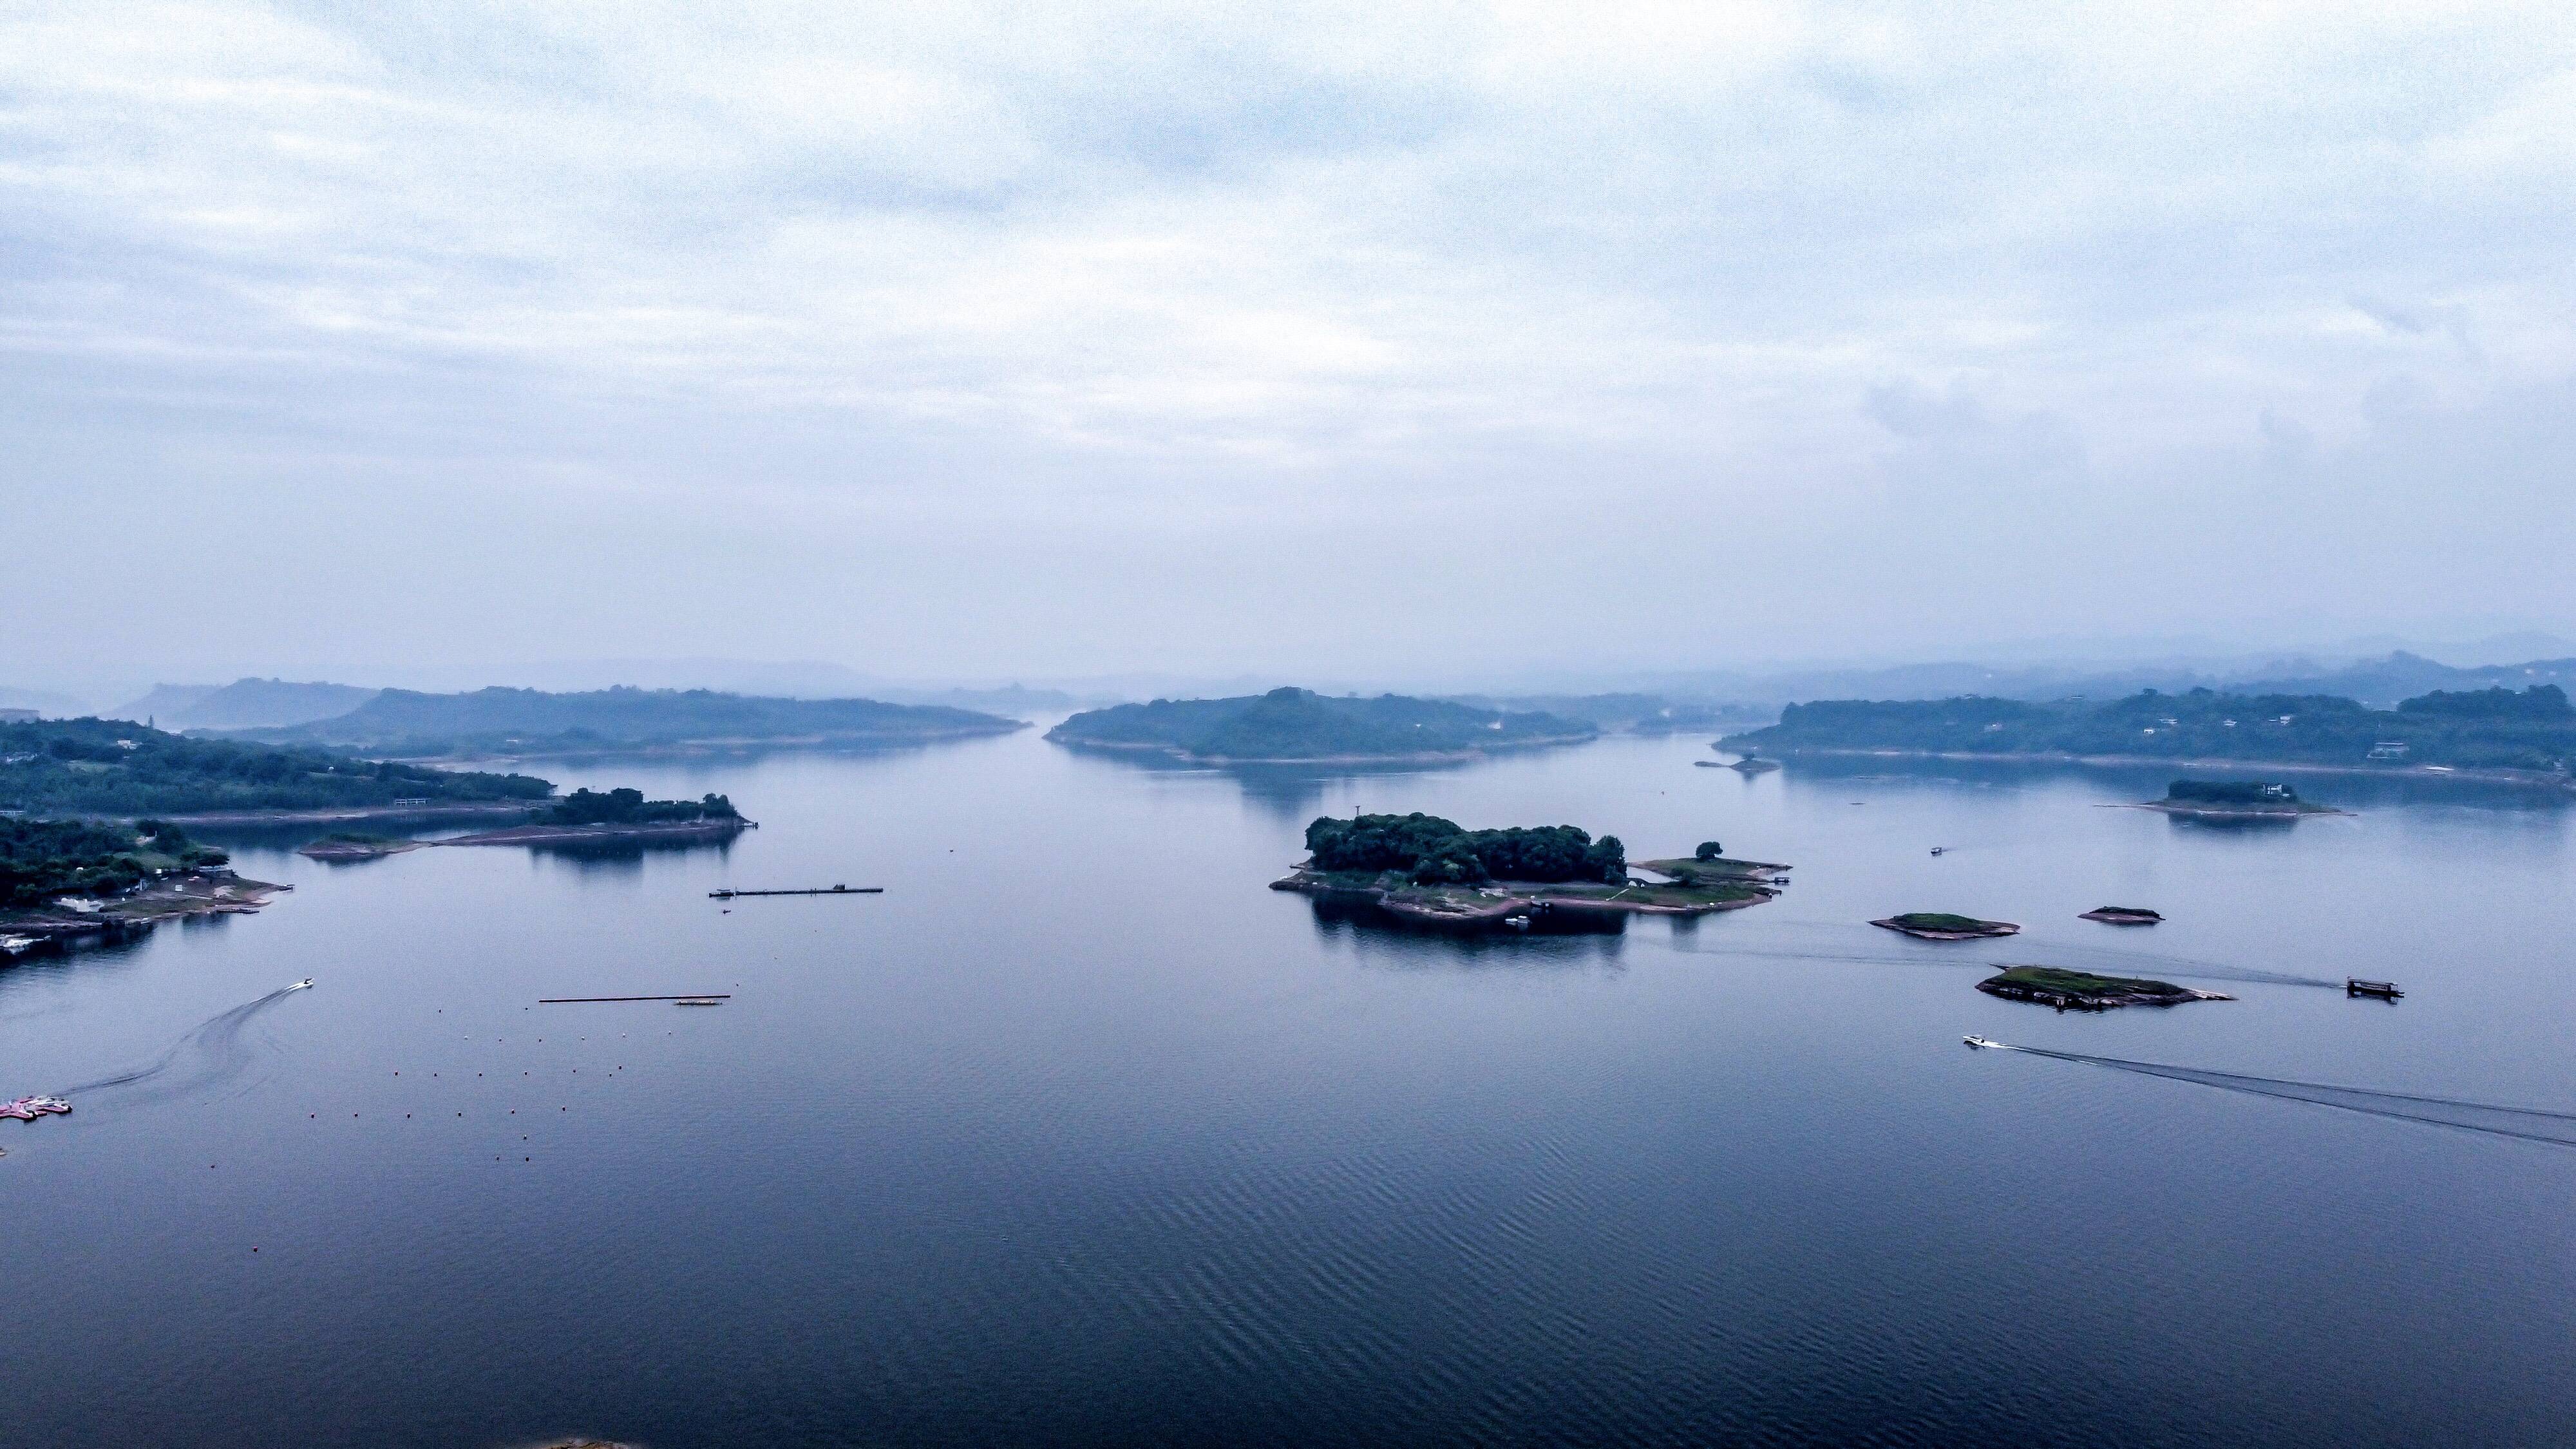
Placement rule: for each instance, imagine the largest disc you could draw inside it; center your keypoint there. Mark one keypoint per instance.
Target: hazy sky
(1080, 337)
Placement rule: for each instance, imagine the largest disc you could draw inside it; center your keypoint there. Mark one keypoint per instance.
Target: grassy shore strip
(1690, 870)
(353, 845)
(338, 814)
(606, 831)
(2083, 991)
(2534, 779)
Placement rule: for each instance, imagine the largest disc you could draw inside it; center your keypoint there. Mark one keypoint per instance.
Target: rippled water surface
(1079, 1135)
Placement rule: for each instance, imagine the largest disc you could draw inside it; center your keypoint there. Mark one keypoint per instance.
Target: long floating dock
(692, 996)
(838, 890)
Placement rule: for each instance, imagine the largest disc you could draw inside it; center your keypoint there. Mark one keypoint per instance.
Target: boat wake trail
(212, 1055)
(2528, 1124)
(2130, 961)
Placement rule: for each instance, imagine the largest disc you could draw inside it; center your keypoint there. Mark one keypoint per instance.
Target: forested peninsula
(1299, 726)
(119, 769)
(63, 880)
(2527, 735)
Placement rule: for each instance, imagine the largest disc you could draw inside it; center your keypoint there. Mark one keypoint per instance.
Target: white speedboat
(302, 985)
(1980, 1042)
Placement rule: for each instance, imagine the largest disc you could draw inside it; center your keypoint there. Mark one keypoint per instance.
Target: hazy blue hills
(1300, 725)
(243, 704)
(2495, 728)
(526, 721)
(119, 768)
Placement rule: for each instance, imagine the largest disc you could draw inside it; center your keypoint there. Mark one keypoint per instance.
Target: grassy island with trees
(1425, 869)
(1298, 726)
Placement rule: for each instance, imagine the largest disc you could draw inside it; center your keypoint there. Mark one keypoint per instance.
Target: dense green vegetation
(1299, 724)
(113, 767)
(405, 722)
(2078, 986)
(2530, 729)
(1432, 851)
(629, 807)
(1939, 921)
(42, 859)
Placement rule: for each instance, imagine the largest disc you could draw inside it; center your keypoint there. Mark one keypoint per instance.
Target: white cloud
(1447, 253)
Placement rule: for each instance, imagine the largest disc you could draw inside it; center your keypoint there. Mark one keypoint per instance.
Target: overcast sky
(1302, 339)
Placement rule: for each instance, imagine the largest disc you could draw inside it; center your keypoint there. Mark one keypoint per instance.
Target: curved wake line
(2528, 1124)
(2185, 968)
(217, 1041)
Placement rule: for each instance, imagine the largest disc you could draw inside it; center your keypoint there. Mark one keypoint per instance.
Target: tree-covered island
(2526, 735)
(1299, 726)
(1424, 869)
(2236, 799)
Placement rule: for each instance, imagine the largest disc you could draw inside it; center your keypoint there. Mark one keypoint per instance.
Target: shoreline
(334, 814)
(2488, 776)
(606, 833)
(1471, 906)
(2227, 812)
(170, 898)
(685, 749)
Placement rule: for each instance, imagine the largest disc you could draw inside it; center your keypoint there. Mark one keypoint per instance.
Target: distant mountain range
(526, 721)
(244, 704)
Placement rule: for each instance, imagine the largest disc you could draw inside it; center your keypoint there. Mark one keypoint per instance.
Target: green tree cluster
(625, 806)
(1435, 851)
(42, 859)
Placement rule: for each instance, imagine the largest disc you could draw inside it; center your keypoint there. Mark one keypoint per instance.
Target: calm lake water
(1079, 1135)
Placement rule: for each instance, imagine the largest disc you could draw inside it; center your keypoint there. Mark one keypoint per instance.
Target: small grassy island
(61, 880)
(1429, 871)
(1299, 726)
(1942, 926)
(2081, 991)
(592, 816)
(2122, 915)
(2236, 800)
